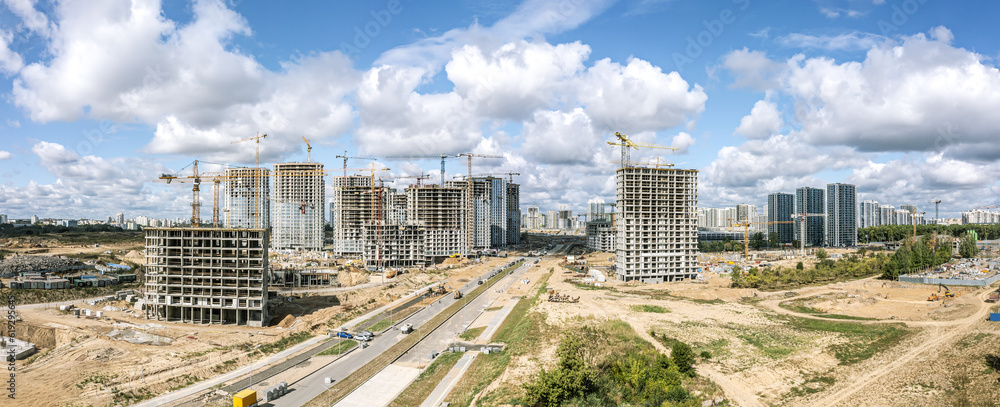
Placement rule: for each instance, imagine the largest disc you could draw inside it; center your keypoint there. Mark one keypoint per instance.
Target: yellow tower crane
(309, 150)
(626, 144)
(746, 233)
(256, 192)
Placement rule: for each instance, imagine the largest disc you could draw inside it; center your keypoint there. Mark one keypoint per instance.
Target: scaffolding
(207, 275)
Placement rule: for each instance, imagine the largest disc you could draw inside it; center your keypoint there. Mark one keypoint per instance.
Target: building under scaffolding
(247, 198)
(207, 275)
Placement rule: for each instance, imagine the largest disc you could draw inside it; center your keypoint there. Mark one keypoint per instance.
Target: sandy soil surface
(759, 358)
(83, 361)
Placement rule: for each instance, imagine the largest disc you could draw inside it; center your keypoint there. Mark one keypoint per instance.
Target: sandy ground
(84, 361)
(727, 322)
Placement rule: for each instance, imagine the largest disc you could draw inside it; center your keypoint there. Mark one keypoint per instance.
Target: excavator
(947, 293)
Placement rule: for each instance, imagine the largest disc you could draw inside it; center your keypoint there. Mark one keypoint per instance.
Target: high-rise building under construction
(247, 198)
(297, 213)
(656, 224)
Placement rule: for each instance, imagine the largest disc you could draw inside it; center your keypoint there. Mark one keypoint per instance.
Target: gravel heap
(18, 264)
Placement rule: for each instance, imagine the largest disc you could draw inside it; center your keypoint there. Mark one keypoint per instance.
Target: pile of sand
(287, 321)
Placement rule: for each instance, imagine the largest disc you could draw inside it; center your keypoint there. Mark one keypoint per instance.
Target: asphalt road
(312, 386)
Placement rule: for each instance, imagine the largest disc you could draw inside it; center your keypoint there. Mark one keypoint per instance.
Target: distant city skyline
(93, 115)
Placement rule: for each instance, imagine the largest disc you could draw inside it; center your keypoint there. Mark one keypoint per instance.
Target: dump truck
(245, 398)
(458, 294)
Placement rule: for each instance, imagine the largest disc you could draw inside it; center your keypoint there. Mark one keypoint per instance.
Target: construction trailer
(207, 275)
(657, 224)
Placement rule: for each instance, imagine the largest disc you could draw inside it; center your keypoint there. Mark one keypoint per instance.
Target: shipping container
(994, 317)
(245, 398)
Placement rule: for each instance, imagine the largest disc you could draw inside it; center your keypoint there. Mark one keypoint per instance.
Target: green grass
(284, 343)
(769, 342)
(472, 334)
(588, 287)
(793, 306)
(649, 308)
(380, 325)
(344, 346)
(717, 347)
(417, 392)
(863, 341)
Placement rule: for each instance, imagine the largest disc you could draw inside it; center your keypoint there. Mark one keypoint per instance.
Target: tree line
(895, 233)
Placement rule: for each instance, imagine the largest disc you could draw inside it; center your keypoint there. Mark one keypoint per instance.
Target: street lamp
(328, 383)
(251, 349)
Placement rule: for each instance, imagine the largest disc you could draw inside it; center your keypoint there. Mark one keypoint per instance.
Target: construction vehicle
(458, 294)
(947, 292)
(994, 297)
(933, 297)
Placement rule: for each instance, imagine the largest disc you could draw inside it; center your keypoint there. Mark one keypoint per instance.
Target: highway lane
(312, 386)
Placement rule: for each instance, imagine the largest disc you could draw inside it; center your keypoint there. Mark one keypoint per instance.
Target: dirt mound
(135, 257)
(287, 321)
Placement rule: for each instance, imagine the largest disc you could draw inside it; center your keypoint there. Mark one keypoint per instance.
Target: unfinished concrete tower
(440, 213)
(207, 275)
(248, 198)
(656, 224)
(353, 203)
(297, 200)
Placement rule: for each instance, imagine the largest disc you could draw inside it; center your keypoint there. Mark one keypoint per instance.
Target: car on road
(406, 328)
(345, 335)
(362, 337)
(367, 333)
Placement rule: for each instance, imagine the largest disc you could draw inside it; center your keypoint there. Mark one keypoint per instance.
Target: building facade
(841, 215)
(298, 197)
(207, 275)
(780, 207)
(656, 224)
(248, 197)
(809, 201)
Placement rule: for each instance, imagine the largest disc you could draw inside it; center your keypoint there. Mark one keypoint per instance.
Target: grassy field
(798, 307)
(472, 334)
(649, 308)
(344, 346)
(863, 340)
(417, 392)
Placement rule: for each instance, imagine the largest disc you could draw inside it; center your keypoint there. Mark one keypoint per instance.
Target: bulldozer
(934, 297)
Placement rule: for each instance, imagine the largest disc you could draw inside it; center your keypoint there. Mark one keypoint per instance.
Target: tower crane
(801, 217)
(195, 180)
(937, 225)
(346, 157)
(625, 143)
(746, 233)
(309, 150)
(443, 157)
(256, 193)
(471, 219)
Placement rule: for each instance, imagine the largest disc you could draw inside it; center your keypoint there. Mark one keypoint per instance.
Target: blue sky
(898, 97)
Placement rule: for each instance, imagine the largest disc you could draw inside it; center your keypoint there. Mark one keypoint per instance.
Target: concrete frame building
(595, 209)
(352, 207)
(513, 213)
(440, 213)
(532, 219)
(868, 214)
(810, 200)
(841, 215)
(299, 194)
(656, 224)
(207, 275)
(601, 235)
(780, 207)
(248, 198)
(490, 211)
(393, 245)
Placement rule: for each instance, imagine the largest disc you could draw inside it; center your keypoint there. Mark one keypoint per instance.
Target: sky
(101, 97)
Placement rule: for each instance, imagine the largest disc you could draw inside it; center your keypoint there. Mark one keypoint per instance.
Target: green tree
(772, 240)
(683, 357)
(799, 266)
(571, 378)
(967, 247)
(757, 241)
(821, 254)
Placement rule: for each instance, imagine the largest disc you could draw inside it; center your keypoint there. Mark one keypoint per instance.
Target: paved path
(441, 391)
(497, 320)
(382, 389)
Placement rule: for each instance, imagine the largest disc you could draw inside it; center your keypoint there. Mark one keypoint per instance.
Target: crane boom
(309, 150)
(626, 144)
